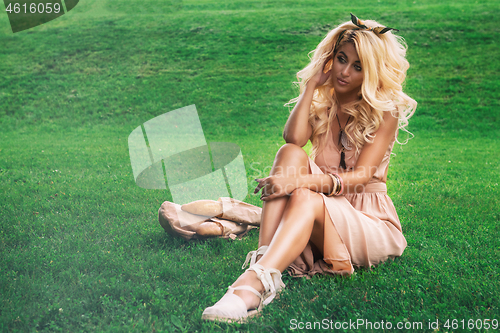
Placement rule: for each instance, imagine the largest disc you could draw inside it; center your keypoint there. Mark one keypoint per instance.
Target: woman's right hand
(276, 186)
(320, 77)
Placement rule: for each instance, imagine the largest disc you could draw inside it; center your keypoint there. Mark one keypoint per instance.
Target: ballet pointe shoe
(231, 308)
(252, 256)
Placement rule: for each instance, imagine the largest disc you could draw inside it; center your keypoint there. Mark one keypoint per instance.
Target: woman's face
(347, 74)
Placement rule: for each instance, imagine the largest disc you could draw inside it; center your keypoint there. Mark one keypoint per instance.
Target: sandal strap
(245, 287)
(271, 280)
(252, 256)
(249, 258)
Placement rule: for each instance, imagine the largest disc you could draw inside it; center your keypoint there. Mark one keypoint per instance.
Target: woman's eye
(357, 68)
(341, 59)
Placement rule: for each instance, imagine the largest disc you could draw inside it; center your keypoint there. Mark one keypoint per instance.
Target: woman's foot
(249, 278)
(246, 297)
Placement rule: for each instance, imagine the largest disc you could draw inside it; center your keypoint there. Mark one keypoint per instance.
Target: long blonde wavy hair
(384, 66)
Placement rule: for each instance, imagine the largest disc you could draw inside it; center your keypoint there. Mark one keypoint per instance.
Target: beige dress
(366, 228)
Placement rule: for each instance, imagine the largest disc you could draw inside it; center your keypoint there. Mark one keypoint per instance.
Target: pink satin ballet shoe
(231, 308)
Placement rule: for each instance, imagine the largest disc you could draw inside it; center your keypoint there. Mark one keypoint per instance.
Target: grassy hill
(80, 245)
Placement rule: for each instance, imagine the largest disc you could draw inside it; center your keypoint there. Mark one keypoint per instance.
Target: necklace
(343, 142)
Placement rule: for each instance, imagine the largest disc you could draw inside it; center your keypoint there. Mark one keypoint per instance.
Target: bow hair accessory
(378, 30)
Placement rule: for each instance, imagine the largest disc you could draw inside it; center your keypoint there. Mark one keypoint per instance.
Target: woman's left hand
(276, 186)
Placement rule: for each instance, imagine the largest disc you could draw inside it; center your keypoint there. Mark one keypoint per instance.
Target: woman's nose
(345, 71)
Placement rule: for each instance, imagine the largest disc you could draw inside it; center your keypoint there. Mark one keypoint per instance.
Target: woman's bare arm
(297, 128)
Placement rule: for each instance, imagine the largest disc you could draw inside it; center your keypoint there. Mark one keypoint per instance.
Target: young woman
(330, 212)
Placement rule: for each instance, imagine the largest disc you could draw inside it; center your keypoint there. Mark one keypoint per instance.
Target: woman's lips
(342, 82)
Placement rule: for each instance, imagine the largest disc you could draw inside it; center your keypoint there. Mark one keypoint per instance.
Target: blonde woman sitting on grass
(330, 212)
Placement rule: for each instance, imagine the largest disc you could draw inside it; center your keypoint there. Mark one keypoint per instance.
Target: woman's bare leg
(303, 220)
(290, 160)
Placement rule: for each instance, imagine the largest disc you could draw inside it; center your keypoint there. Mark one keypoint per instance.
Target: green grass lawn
(81, 248)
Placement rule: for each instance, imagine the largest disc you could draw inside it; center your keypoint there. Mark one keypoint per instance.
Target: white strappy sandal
(252, 256)
(231, 308)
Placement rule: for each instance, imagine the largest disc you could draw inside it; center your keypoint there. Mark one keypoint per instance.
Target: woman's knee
(291, 160)
(306, 197)
(305, 206)
(311, 202)
(293, 149)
